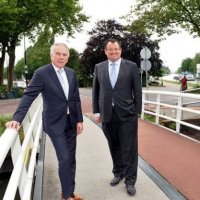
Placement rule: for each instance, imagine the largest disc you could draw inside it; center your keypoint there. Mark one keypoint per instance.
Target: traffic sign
(145, 65)
(145, 53)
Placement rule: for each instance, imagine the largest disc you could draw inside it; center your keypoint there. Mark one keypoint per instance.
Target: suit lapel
(55, 80)
(106, 72)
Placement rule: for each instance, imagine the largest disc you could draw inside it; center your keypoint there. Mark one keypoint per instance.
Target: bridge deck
(94, 171)
(174, 157)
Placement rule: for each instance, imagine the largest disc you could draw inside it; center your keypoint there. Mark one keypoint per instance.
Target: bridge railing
(172, 106)
(23, 155)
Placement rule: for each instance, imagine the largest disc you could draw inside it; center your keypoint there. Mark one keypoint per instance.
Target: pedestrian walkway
(8, 106)
(94, 171)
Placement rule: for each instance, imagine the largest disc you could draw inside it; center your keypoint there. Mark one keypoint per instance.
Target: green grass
(3, 120)
(149, 117)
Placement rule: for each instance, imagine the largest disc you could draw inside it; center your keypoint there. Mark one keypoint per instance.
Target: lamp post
(25, 63)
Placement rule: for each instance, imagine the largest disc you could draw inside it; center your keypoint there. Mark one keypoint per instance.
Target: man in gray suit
(62, 114)
(117, 100)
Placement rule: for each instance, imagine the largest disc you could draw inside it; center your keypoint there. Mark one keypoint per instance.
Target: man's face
(113, 51)
(59, 56)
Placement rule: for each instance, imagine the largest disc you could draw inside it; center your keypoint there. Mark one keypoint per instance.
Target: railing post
(179, 113)
(157, 108)
(6, 141)
(143, 104)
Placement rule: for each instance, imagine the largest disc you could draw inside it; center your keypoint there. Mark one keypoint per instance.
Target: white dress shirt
(63, 81)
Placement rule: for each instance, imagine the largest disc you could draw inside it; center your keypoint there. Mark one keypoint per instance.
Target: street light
(26, 74)
(25, 65)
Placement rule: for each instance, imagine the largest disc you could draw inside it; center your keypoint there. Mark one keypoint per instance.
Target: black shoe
(116, 180)
(130, 189)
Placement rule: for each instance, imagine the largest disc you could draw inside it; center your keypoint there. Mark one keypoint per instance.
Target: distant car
(188, 75)
(176, 77)
(153, 81)
(19, 84)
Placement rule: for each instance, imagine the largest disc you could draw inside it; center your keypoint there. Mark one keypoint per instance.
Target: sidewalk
(8, 106)
(94, 171)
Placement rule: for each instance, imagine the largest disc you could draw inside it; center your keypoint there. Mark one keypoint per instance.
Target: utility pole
(25, 63)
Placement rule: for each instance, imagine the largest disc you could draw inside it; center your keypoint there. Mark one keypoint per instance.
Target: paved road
(8, 106)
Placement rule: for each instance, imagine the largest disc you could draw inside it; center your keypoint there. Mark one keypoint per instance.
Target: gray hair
(52, 49)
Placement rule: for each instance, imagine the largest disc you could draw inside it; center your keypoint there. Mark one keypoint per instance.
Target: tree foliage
(39, 55)
(29, 17)
(186, 65)
(131, 42)
(190, 64)
(165, 70)
(195, 61)
(165, 16)
(74, 63)
(36, 55)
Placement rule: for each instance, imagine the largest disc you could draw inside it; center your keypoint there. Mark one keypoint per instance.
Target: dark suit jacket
(46, 82)
(127, 93)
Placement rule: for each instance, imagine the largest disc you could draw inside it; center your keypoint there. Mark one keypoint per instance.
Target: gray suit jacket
(46, 82)
(127, 93)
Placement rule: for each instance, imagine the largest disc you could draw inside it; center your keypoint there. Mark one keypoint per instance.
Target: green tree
(131, 42)
(36, 55)
(165, 16)
(74, 63)
(195, 61)
(165, 70)
(39, 55)
(186, 65)
(29, 17)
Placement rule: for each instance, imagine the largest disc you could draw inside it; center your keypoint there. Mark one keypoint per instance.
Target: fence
(23, 155)
(172, 106)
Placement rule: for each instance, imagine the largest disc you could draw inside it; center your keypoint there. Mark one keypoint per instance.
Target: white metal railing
(23, 155)
(171, 106)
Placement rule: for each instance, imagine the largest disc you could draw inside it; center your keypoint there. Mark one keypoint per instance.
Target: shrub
(3, 120)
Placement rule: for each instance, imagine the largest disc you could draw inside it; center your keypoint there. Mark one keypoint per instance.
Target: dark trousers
(65, 147)
(122, 139)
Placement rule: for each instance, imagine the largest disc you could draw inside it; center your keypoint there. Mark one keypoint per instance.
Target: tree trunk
(11, 53)
(2, 59)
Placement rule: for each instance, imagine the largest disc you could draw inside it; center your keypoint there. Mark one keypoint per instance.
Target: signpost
(145, 64)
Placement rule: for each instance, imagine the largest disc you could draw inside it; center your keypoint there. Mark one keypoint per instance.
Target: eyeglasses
(116, 49)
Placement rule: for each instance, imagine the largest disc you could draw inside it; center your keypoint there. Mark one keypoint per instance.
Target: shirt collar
(116, 62)
(57, 69)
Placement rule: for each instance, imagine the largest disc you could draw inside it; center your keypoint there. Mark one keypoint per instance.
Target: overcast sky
(172, 50)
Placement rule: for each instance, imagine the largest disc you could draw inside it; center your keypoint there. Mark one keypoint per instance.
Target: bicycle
(7, 95)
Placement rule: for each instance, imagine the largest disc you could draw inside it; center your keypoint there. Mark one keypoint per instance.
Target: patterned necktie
(113, 74)
(63, 81)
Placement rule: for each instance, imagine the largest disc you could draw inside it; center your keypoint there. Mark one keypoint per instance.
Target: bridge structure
(169, 161)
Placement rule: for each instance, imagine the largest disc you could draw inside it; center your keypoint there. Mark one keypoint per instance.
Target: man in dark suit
(117, 99)
(62, 114)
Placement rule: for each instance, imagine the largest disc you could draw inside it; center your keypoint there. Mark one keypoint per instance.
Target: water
(4, 179)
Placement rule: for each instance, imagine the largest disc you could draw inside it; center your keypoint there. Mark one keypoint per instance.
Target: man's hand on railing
(13, 124)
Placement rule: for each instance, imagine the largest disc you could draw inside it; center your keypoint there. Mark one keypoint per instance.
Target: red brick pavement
(8, 106)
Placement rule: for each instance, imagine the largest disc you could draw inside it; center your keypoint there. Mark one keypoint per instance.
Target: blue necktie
(113, 74)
